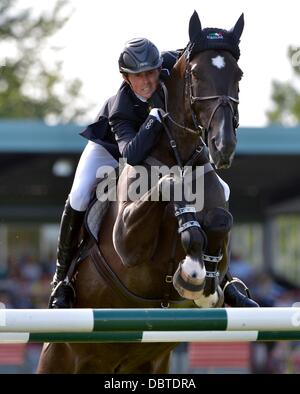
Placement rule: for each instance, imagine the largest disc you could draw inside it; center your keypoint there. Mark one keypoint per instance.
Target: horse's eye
(195, 75)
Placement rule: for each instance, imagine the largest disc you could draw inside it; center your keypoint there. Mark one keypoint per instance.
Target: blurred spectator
(5, 299)
(266, 290)
(26, 283)
(3, 270)
(241, 268)
(30, 269)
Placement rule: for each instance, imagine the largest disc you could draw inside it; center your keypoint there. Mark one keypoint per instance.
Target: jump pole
(150, 336)
(140, 320)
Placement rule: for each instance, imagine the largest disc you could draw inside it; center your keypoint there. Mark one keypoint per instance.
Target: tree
(286, 95)
(28, 86)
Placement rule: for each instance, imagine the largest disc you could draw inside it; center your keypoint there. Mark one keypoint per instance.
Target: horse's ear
(238, 28)
(194, 26)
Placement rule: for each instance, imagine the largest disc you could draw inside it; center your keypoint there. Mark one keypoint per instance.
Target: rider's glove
(158, 113)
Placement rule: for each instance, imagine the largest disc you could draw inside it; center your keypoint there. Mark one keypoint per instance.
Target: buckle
(173, 143)
(212, 274)
(181, 211)
(169, 278)
(186, 225)
(212, 259)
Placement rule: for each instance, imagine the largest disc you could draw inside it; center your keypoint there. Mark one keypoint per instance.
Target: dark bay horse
(154, 253)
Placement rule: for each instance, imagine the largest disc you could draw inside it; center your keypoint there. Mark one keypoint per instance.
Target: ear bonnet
(213, 38)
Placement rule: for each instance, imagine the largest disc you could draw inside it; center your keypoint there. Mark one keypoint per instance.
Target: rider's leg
(71, 222)
(93, 157)
(236, 293)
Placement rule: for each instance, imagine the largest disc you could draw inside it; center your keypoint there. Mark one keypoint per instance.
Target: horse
(157, 252)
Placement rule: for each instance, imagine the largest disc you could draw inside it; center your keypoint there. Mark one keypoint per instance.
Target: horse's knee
(218, 220)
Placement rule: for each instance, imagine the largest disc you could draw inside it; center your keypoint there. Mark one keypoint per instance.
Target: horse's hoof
(215, 300)
(187, 286)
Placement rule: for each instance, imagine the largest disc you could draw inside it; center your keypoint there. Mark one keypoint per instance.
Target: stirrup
(238, 294)
(242, 287)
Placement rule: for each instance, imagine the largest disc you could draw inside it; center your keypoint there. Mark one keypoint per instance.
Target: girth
(106, 272)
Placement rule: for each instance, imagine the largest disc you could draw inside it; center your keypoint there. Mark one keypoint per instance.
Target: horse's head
(212, 78)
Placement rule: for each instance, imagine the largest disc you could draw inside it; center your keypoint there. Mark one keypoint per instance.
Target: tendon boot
(63, 293)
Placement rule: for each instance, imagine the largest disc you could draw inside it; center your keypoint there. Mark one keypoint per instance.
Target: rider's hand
(158, 113)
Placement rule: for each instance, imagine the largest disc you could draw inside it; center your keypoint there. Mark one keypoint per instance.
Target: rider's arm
(170, 58)
(135, 145)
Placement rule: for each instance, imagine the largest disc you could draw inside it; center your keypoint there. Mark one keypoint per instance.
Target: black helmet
(139, 55)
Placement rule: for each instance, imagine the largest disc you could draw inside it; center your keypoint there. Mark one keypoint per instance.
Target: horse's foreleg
(189, 279)
(190, 276)
(217, 224)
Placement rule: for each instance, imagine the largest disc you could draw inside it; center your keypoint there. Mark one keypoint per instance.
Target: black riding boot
(63, 294)
(236, 293)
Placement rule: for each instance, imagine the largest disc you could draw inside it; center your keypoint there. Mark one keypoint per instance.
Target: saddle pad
(97, 210)
(94, 217)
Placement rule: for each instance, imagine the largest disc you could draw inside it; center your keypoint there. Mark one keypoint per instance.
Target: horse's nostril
(194, 274)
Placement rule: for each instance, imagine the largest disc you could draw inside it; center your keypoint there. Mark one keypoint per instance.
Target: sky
(92, 39)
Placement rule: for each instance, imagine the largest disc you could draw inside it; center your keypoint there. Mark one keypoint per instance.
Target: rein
(199, 149)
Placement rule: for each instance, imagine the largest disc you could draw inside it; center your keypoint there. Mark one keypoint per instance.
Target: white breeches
(92, 166)
(94, 157)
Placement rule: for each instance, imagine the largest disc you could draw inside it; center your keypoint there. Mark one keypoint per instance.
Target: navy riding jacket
(124, 126)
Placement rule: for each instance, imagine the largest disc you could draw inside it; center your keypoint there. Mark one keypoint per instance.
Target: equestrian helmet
(138, 55)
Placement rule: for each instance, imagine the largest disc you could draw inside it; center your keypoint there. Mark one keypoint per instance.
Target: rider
(127, 114)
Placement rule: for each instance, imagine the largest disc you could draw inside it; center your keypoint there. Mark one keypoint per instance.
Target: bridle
(222, 100)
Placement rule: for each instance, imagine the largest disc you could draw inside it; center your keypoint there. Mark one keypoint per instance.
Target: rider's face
(145, 83)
